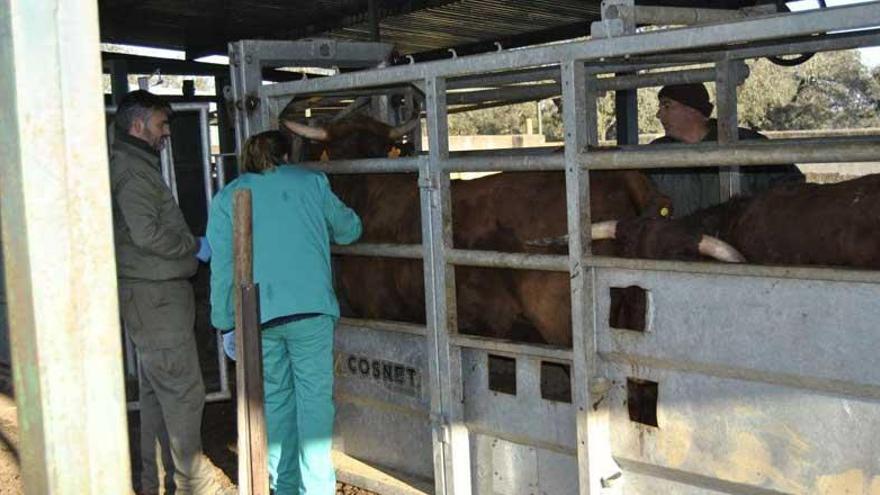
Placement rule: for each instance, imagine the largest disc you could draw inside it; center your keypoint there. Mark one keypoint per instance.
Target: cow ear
(325, 157)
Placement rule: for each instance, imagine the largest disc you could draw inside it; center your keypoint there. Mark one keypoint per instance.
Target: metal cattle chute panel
(749, 379)
(762, 384)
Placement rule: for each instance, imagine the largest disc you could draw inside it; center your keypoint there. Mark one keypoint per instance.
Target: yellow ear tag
(394, 152)
(325, 157)
(664, 212)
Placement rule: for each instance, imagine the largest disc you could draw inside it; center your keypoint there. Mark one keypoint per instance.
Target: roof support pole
(452, 473)
(60, 268)
(373, 15)
(596, 468)
(725, 97)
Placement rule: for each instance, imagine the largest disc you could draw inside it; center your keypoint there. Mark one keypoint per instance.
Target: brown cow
(791, 224)
(514, 212)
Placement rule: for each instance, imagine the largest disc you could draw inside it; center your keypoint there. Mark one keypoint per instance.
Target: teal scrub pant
(298, 388)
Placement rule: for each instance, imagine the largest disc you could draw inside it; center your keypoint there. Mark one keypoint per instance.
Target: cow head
(349, 134)
(355, 136)
(664, 239)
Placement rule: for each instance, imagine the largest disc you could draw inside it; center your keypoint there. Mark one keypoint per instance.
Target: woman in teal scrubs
(295, 218)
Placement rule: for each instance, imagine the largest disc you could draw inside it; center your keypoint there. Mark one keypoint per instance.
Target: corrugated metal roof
(202, 27)
(473, 21)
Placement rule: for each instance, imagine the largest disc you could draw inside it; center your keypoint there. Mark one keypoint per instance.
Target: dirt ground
(218, 432)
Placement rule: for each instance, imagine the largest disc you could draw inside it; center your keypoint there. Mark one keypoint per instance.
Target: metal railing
(577, 65)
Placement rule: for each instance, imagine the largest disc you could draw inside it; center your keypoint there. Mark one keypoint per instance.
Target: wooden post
(253, 476)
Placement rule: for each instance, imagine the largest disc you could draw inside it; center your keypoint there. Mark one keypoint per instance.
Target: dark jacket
(693, 189)
(153, 241)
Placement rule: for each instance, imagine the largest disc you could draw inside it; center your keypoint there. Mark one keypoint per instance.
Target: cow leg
(546, 302)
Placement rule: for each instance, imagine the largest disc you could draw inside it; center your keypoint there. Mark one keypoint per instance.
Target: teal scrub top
(295, 218)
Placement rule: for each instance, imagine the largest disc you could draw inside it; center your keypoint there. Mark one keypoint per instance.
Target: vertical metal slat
(58, 251)
(451, 439)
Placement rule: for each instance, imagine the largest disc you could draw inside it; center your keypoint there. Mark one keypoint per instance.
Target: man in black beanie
(684, 113)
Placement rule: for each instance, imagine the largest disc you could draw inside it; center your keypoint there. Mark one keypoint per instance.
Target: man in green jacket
(155, 256)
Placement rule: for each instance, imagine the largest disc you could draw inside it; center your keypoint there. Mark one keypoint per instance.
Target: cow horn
(604, 230)
(397, 132)
(720, 250)
(306, 131)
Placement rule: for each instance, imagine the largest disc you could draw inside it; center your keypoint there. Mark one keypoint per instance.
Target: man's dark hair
(138, 105)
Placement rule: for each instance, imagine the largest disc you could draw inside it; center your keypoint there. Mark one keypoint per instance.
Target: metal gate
(747, 379)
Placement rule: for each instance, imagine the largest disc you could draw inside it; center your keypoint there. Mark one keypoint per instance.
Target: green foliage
(510, 119)
(832, 90)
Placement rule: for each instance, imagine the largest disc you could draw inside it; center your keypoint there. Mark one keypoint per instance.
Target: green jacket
(153, 241)
(295, 218)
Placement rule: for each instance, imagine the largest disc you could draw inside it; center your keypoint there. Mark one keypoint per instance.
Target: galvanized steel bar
(489, 259)
(385, 326)
(652, 79)
(579, 120)
(245, 77)
(795, 381)
(411, 251)
(511, 348)
(728, 131)
(220, 163)
(58, 251)
(645, 14)
(744, 153)
(497, 259)
(205, 135)
(506, 163)
(452, 473)
(494, 259)
(505, 78)
(811, 43)
(549, 90)
(802, 273)
(764, 28)
(523, 92)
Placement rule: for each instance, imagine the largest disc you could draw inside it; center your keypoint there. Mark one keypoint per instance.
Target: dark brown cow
(793, 224)
(514, 212)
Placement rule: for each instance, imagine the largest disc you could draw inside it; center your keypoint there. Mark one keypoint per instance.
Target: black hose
(799, 59)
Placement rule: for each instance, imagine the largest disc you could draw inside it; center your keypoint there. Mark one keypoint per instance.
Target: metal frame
(58, 251)
(248, 58)
(579, 85)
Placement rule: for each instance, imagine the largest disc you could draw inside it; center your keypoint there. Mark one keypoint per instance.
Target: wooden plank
(253, 477)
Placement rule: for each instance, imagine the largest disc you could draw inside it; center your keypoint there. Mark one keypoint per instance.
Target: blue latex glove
(229, 344)
(204, 252)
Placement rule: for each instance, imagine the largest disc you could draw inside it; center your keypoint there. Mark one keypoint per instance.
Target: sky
(871, 55)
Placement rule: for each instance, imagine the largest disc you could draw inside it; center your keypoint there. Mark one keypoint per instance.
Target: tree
(831, 90)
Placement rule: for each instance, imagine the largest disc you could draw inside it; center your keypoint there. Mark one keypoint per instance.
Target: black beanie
(692, 95)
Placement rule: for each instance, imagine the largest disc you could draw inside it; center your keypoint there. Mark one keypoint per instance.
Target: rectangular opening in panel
(556, 382)
(629, 308)
(502, 374)
(641, 399)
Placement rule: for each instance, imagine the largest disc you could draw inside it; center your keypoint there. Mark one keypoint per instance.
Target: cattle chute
(716, 364)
